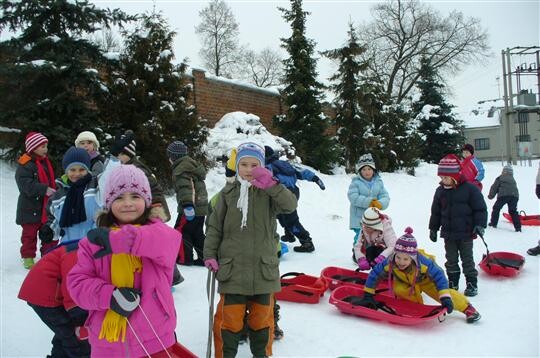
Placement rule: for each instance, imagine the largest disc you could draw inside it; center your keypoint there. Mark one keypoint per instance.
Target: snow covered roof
(485, 114)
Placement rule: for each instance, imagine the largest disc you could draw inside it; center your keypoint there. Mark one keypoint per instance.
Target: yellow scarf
(123, 268)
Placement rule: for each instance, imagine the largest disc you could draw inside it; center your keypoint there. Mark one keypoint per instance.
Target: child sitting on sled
(409, 265)
(377, 239)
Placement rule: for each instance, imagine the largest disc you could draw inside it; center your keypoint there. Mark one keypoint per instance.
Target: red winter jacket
(46, 285)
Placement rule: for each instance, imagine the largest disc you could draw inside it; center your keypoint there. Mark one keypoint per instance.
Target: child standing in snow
(505, 188)
(124, 272)
(45, 290)
(472, 168)
(459, 210)
(534, 251)
(412, 272)
(87, 140)
(241, 247)
(35, 180)
(366, 190)
(377, 239)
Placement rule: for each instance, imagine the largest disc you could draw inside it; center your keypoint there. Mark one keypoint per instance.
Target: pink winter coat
(386, 238)
(89, 284)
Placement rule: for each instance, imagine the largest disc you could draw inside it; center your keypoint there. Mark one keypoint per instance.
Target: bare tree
(107, 40)
(402, 32)
(218, 31)
(263, 69)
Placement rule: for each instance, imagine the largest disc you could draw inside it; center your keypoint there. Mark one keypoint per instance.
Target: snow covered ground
(509, 306)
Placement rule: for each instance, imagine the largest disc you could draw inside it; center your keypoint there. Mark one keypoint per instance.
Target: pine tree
(441, 131)
(350, 120)
(50, 74)
(305, 123)
(149, 96)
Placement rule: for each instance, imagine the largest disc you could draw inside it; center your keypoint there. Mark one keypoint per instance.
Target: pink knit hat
(127, 179)
(33, 140)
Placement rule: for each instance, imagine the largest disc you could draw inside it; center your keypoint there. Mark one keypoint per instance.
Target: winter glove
(189, 212)
(478, 230)
(447, 302)
(262, 178)
(378, 260)
(376, 204)
(124, 300)
(319, 182)
(211, 264)
(46, 234)
(368, 301)
(50, 191)
(100, 237)
(433, 235)
(230, 169)
(538, 191)
(363, 264)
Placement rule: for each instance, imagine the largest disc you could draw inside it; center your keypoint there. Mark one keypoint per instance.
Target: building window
(481, 144)
(523, 138)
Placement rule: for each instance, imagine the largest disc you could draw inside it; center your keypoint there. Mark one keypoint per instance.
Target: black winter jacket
(31, 193)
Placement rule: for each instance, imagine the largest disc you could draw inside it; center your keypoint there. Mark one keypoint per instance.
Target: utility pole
(506, 123)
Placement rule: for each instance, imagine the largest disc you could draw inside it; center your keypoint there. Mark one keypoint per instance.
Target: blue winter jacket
(361, 193)
(288, 174)
(480, 167)
(56, 203)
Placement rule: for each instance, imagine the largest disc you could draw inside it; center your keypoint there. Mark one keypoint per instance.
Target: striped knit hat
(250, 149)
(407, 243)
(372, 218)
(176, 150)
(449, 166)
(33, 141)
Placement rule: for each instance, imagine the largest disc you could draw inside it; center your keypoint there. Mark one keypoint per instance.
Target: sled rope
(210, 292)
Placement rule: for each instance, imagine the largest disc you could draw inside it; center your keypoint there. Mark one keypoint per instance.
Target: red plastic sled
(337, 276)
(529, 220)
(299, 287)
(176, 351)
(390, 309)
(502, 264)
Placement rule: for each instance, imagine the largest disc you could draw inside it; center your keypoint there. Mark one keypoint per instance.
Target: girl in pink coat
(377, 239)
(124, 272)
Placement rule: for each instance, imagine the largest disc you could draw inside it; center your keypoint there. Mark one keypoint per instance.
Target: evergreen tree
(350, 120)
(304, 123)
(50, 74)
(441, 131)
(149, 95)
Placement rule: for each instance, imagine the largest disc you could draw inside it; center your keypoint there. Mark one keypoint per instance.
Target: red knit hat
(33, 141)
(449, 166)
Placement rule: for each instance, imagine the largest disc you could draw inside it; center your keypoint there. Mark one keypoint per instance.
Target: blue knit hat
(250, 149)
(176, 150)
(76, 156)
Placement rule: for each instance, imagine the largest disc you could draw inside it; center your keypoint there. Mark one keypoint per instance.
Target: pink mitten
(211, 264)
(262, 178)
(122, 240)
(363, 264)
(378, 260)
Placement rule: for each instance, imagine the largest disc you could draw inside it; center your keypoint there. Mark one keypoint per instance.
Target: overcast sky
(509, 23)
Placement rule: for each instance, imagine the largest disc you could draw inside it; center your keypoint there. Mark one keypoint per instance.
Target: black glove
(447, 302)
(78, 316)
(478, 230)
(46, 234)
(433, 235)
(100, 237)
(538, 191)
(120, 142)
(125, 300)
(319, 182)
(368, 301)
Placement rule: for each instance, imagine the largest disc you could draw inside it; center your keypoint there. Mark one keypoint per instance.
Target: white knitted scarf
(243, 200)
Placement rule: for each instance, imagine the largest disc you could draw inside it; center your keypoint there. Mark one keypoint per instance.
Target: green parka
(188, 178)
(248, 264)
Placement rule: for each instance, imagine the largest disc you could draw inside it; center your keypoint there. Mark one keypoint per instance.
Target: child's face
(245, 166)
(128, 207)
(448, 181)
(367, 172)
(124, 158)
(76, 172)
(87, 145)
(402, 260)
(41, 151)
(466, 153)
(369, 230)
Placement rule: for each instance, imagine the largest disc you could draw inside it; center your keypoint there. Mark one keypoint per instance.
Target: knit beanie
(407, 244)
(366, 159)
(125, 143)
(508, 169)
(33, 141)
(127, 178)
(176, 150)
(76, 156)
(89, 136)
(250, 149)
(469, 148)
(449, 166)
(372, 218)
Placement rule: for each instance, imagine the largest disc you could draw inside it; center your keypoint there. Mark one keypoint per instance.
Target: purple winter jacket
(89, 284)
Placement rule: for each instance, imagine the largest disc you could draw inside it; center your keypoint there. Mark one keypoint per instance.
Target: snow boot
(288, 237)
(28, 262)
(278, 332)
(493, 225)
(535, 251)
(471, 290)
(306, 246)
(472, 314)
(177, 276)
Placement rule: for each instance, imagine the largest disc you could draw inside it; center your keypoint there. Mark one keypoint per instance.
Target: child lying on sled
(408, 264)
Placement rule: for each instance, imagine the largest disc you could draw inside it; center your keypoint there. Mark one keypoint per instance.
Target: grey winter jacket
(504, 185)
